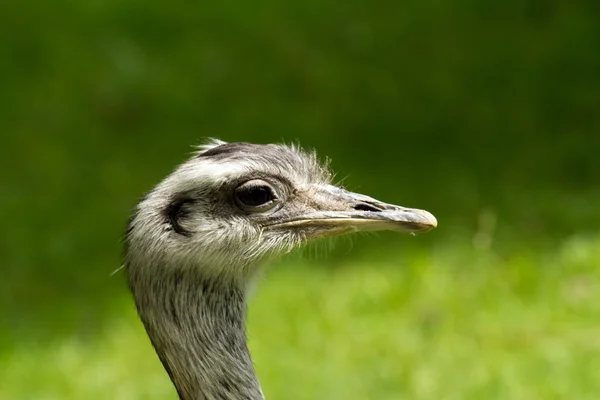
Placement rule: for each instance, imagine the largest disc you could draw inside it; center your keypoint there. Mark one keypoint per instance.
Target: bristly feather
(209, 144)
(284, 157)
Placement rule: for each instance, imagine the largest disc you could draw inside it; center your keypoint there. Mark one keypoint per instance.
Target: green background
(486, 113)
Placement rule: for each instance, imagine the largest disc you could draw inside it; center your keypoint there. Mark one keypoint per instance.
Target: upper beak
(335, 211)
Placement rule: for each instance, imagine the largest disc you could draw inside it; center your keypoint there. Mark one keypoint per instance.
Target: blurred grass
(452, 323)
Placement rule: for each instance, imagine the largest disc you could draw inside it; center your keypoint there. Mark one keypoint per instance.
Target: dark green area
(485, 113)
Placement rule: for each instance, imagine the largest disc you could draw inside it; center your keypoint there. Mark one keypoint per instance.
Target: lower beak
(337, 211)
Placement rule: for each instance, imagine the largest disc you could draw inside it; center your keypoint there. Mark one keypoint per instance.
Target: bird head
(233, 204)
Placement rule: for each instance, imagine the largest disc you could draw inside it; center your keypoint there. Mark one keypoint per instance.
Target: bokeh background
(487, 114)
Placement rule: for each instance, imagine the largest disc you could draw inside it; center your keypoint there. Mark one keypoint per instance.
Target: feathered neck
(197, 327)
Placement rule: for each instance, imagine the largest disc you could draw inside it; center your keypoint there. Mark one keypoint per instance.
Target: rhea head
(196, 240)
(232, 204)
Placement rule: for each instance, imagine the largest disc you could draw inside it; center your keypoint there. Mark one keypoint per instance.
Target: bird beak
(336, 211)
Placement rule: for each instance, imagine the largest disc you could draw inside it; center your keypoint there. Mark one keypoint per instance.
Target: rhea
(196, 242)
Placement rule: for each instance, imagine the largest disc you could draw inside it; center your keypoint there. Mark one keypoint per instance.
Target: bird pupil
(255, 195)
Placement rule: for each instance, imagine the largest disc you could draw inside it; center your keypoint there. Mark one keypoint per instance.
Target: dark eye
(255, 196)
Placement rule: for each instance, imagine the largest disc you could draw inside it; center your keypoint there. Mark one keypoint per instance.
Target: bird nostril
(367, 207)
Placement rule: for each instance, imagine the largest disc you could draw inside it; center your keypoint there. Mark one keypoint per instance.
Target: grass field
(449, 324)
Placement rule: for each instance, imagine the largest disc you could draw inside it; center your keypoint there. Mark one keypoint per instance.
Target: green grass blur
(484, 113)
(432, 325)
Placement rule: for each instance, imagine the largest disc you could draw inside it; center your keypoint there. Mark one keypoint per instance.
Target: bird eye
(255, 196)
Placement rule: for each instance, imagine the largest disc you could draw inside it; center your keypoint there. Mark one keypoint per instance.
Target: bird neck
(197, 326)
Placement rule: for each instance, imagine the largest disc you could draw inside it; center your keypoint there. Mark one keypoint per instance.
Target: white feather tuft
(211, 143)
